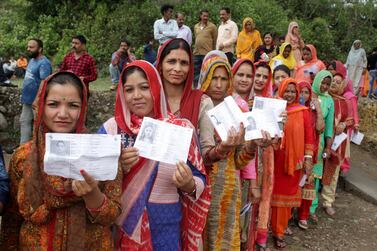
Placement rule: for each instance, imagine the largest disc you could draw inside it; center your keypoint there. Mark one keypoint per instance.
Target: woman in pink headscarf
(294, 38)
(338, 67)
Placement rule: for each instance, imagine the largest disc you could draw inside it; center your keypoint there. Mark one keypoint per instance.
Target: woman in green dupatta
(321, 85)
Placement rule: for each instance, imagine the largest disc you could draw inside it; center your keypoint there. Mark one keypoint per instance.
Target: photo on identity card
(261, 120)
(162, 141)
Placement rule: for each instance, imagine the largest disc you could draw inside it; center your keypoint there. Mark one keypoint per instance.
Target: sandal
(330, 211)
(260, 247)
(303, 224)
(288, 232)
(314, 218)
(279, 242)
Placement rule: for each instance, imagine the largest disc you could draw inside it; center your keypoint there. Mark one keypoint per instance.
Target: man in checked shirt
(79, 61)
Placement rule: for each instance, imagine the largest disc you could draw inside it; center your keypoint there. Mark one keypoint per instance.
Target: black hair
(227, 9)
(283, 68)
(202, 11)
(176, 43)
(165, 8)
(39, 42)
(130, 70)
(263, 65)
(63, 78)
(125, 40)
(81, 38)
(282, 37)
(306, 48)
(268, 33)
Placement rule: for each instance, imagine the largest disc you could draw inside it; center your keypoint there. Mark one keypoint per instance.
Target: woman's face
(295, 30)
(248, 26)
(243, 79)
(325, 85)
(148, 132)
(290, 93)
(62, 108)
(261, 78)
(307, 55)
(287, 51)
(267, 39)
(137, 94)
(219, 84)
(357, 45)
(279, 76)
(305, 93)
(331, 69)
(175, 67)
(337, 84)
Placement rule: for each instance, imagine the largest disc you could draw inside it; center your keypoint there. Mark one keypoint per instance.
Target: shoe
(330, 211)
(303, 224)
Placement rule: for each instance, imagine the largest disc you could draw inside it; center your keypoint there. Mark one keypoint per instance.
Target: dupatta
(138, 183)
(190, 100)
(39, 194)
(248, 42)
(314, 66)
(290, 61)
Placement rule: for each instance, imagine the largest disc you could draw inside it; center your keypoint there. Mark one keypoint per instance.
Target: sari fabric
(135, 223)
(189, 108)
(43, 213)
(313, 66)
(296, 42)
(223, 222)
(290, 61)
(289, 157)
(248, 42)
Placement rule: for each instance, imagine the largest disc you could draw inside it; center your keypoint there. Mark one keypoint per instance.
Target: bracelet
(192, 192)
(308, 156)
(100, 208)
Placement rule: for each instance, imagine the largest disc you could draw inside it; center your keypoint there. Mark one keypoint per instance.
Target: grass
(101, 84)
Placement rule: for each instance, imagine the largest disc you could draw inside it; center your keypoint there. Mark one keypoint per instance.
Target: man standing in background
(227, 35)
(38, 69)
(80, 62)
(165, 28)
(205, 41)
(183, 30)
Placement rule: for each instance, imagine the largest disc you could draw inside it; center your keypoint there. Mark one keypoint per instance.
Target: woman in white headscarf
(356, 64)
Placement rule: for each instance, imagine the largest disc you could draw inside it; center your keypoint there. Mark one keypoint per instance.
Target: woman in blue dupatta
(164, 206)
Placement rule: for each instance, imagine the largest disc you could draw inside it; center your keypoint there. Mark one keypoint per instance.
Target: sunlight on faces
(325, 84)
(306, 55)
(138, 96)
(279, 76)
(260, 78)
(175, 67)
(243, 79)
(62, 108)
(337, 85)
(219, 84)
(305, 93)
(290, 93)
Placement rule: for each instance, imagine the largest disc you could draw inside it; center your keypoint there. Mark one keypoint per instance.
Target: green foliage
(331, 25)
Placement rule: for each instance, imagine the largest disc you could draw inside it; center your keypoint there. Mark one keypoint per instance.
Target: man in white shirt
(183, 30)
(227, 34)
(165, 28)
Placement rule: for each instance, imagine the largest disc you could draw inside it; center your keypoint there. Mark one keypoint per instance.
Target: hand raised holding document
(234, 139)
(183, 178)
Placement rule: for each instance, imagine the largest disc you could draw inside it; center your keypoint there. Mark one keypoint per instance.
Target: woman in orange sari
(312, 65)
(292, 159)
(50, 212)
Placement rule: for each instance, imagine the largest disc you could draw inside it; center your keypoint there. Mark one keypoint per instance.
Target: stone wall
(101, 108)
(368, 124)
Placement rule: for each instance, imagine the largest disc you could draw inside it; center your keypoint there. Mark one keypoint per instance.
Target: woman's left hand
(81, 188)
(340, 128)
(183, 178)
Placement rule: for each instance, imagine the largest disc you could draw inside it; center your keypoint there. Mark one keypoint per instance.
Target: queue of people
(196, 203)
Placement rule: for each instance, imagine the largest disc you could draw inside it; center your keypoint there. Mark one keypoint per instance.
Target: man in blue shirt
(165, 28)
(38, 69)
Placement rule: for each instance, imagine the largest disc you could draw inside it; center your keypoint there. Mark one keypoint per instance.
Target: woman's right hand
(128, 158)
(234, 139)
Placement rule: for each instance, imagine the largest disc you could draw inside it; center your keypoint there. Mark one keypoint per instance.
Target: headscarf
(301, 85)
(43, 193)
(138, 183)
(354, 55)
(314, 66)
(342, 71)
(292, 37)
(338, 94)
(290, 62)
(316, 86)
(243, 104)
(248, 42)
(211, 61)
(293, 142)
(267, 91)
(190, 100)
